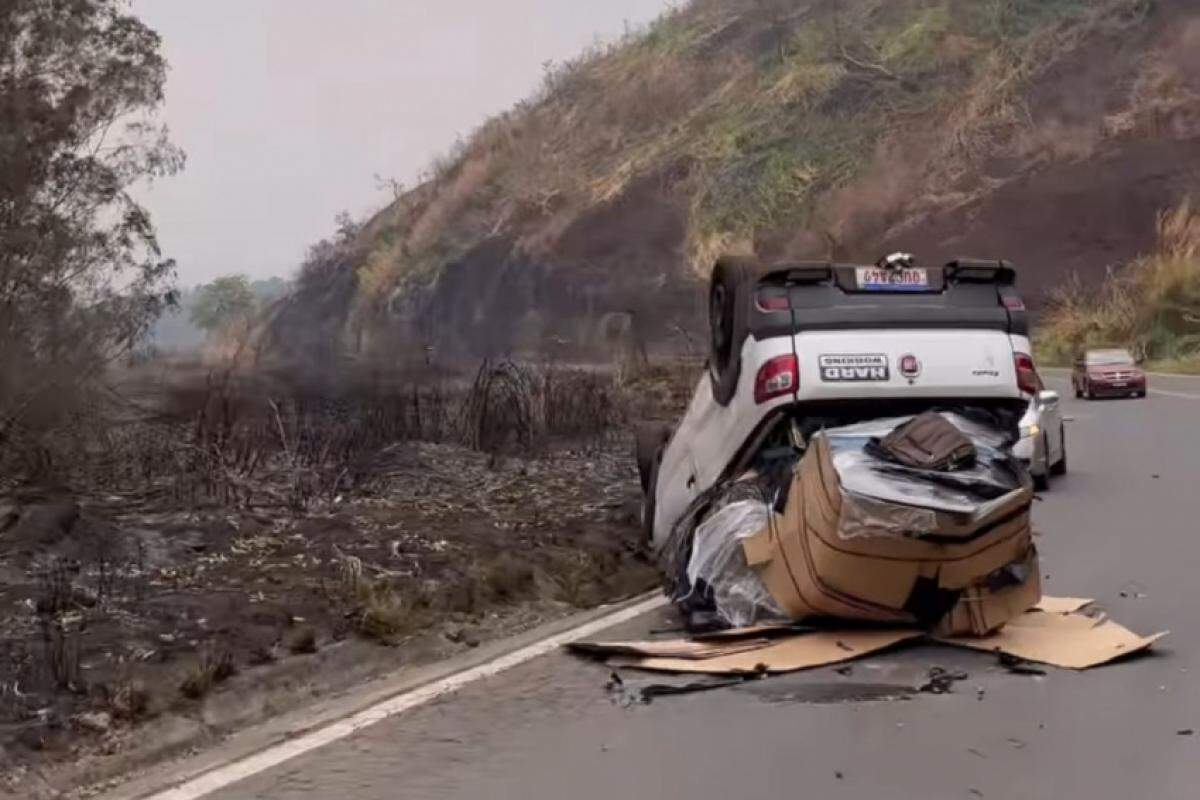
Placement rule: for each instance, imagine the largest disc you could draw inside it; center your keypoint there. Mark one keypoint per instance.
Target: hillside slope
(1050, 132)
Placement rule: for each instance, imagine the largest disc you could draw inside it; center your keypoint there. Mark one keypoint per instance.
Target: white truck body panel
(953, 364)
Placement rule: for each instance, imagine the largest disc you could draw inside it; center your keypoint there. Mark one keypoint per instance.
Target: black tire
(1042, 482)
(649, 505)
(649, 443)
(1060, 466)
(1078, 391)
(730, 294)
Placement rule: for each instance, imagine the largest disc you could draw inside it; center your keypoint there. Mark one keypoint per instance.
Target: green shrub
(1152, 306)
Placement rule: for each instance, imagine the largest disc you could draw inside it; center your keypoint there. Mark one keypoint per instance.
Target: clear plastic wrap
(990, 435)
(718, 565)
(972, 492)
(864, 517)
(887, 499)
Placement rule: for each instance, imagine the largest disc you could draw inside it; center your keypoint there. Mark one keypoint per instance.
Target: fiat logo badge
(910, 366)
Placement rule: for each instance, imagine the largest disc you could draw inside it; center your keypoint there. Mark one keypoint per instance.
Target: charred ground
(209, 546)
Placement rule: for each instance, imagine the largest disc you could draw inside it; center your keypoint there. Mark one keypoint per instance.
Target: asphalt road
(1123, 527)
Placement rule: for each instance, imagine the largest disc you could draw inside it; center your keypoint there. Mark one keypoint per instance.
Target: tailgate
(906, 363)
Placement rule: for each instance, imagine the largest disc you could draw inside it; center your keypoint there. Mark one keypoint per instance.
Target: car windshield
(1103, 358)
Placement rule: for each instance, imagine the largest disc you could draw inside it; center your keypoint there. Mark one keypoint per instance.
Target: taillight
(773, 302)
(1027, 379)
(1012, 302)
(777, 377)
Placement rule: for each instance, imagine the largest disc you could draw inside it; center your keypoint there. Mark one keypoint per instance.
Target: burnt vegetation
(171, 529)
(193, 524)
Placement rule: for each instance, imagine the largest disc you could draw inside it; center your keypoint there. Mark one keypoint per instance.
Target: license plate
(874, 279)
(1119, 384)
(853, 367)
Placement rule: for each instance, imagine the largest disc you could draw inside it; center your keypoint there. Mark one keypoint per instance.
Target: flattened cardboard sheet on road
(1070, 641)
(803, 651)
(1053, 633)
(1063, 605)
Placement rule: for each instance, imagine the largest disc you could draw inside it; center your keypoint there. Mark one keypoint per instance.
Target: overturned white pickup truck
(807, 347)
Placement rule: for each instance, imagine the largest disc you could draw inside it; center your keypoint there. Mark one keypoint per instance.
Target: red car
(1108, 373)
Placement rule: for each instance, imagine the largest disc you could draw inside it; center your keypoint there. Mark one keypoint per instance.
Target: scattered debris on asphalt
(627, 694)
(1134, 590)
(1017, 665)
(941, 680)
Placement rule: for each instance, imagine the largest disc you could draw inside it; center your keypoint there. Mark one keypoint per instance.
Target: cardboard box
(816, 562)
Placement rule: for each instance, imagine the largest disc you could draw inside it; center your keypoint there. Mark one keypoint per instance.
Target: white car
(809, 345)
(1043, 442)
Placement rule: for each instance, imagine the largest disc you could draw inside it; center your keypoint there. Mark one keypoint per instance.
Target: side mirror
(1047, 397)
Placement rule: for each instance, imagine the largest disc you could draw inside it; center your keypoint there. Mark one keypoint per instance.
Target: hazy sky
(288, 108)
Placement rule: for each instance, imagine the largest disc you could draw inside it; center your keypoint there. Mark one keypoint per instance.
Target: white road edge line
(232, 773)
(1152, 390)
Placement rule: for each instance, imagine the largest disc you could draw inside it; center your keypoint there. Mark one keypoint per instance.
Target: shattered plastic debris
(1018, 665)
(1134, 590)
(941, 680)
(718, 563)
(626, 694)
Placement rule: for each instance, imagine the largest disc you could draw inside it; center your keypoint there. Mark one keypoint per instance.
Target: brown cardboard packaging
(1053, 632)
(814, 566)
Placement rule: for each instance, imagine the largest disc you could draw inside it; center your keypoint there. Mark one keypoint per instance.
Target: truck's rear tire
(649, 443)
(729, 297)
(1042, 482)
(649, 503)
